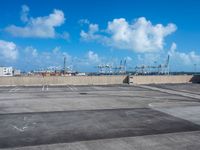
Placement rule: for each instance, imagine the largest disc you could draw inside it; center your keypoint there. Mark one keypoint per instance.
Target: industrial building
(6, 71)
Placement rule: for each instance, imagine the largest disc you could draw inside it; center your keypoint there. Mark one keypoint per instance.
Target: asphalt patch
(28, 129)
(83, 93)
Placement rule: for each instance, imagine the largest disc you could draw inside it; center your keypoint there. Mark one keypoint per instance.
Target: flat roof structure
(108, 117)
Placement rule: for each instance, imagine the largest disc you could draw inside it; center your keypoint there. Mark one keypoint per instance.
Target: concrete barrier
(164, 79)
(96, 80)
(69, 80)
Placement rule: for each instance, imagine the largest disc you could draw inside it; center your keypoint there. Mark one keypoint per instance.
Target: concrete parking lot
(110, 117)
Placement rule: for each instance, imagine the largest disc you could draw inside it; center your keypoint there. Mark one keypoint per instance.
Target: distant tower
(64, 65)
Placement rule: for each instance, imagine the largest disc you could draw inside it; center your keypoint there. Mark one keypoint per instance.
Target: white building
(16, 72)
(6, 71)
(81, 74)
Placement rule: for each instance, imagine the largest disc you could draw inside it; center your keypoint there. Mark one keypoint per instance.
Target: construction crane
(121, 69)
(165, 67)
(108, 68)
(64, 65)
(157, 69)
(105, 68)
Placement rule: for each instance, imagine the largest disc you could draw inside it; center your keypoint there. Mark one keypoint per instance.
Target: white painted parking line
(19, 129)
(14, 89)
(11, 90)
(171, 91)
(70, 88)
(43, 87)
(75, 89)
(122, 88)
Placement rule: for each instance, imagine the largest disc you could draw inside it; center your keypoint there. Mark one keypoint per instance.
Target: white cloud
(8, 50)
(173, 47)
(91, 34)
(32, 51)
(42, 27)
(64, 35)
(128, 59)
(24, 13)
(139, 36)
(37, 59)
(183, 58)
(33, 58)
(150, 59)
(93, 57)
(83, 21)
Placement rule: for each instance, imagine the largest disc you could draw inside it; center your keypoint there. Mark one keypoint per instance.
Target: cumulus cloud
(8, 50)
(189, 58)
(93, 57)
(92, 33)
(37, 59)
(140, 35)
(87, 62)
(42, 27)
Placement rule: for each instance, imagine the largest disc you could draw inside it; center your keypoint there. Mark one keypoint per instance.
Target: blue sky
(38, 34)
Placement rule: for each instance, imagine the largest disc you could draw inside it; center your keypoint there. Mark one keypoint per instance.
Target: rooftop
(113, 117)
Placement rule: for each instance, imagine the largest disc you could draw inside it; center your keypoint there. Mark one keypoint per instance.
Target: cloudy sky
(38, 34)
